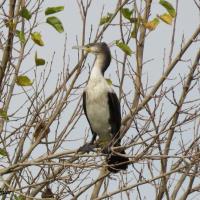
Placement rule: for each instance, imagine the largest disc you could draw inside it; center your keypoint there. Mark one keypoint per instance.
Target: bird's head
(95, 48)
(101, 51)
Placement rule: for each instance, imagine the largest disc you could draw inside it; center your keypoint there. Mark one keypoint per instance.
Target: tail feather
(117, 162)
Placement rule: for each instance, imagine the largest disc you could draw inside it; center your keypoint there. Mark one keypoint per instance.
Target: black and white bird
(102, 108)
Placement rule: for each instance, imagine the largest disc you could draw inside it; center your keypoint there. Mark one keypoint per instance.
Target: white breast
(97, 106)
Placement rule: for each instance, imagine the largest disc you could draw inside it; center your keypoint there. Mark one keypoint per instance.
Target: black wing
(115, 113)
(85, 111)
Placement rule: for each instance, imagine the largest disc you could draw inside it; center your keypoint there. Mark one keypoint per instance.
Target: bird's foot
(106, 150)
(87, 147)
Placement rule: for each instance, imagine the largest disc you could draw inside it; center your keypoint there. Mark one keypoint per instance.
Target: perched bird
(102, 108)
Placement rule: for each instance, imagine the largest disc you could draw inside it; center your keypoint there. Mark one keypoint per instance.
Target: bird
(102, 108)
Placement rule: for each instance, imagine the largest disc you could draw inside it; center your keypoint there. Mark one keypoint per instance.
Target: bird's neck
(102, 62)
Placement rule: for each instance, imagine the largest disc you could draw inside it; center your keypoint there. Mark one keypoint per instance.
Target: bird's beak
(85, 48)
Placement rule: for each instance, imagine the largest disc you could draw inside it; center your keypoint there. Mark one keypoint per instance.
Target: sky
(156, 43)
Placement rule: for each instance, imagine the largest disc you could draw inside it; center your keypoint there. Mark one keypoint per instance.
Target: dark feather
(115, 114)
(115, 161)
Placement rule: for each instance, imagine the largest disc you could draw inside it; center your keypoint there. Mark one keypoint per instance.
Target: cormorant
(102, 108)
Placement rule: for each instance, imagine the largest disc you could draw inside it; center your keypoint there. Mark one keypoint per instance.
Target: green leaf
(25, 13)
(37, 38)
(9, 23)
(3, 114)
(105, 19)
(39, 61)
(126, 13)
(56, 23)
(134, 32)
(108, 81)
(135, 29)
(151, 25)
(52, 10)
(20, 197)
(166, 18)
(23, 81)
(124, 47)
(21, 36)
(168, 6)
(3, 152)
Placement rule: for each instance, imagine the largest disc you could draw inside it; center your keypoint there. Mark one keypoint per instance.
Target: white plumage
(97, 103)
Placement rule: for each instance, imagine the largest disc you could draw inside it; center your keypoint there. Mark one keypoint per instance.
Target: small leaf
(23, 81)
(170, 9)
(108, 81)
(21, 36)
(124, 47)
(134, 33)
(39, 61)
(9, 23)
(41, 129)
(3, 152)
(52, 10)
(126, 13)
(166, 18)
(3, 114)
(105, 19)
(56, 23)
(25, 13)
(37, 38)
(20, 197)
(16, 197)
(135, 29)
(151, 25)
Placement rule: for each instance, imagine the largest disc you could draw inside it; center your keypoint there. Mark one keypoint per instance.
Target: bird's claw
(87, 148)
(106, 150)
